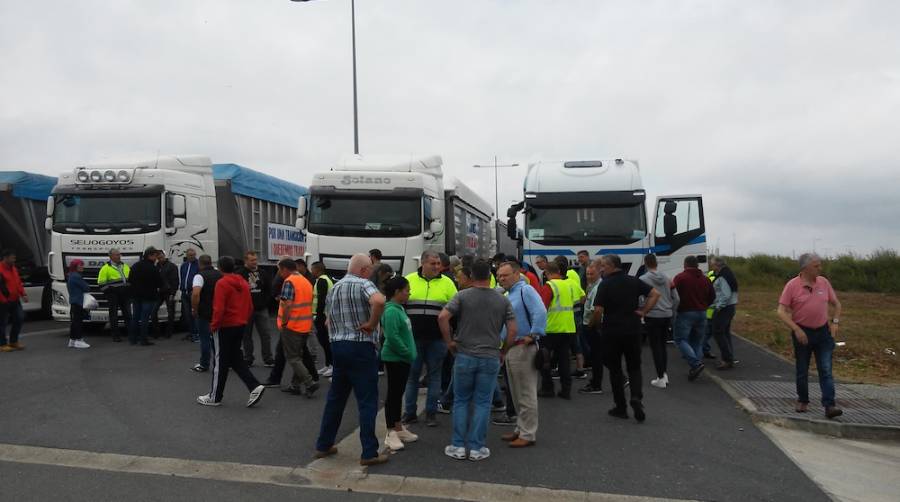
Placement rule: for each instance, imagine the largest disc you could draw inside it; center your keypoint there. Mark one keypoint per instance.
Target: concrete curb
(825, 427)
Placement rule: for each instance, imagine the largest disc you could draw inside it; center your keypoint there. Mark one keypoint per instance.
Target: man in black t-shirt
(616, 312)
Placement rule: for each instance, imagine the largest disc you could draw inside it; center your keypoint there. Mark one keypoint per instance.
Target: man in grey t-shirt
(482, 312)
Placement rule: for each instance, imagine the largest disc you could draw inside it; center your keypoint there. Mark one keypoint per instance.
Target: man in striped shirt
(354, 307)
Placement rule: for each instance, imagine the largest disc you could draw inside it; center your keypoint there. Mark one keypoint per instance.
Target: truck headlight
(82, 177)
(123, 177)
(59, 298)
(96, 177)
(109, 176)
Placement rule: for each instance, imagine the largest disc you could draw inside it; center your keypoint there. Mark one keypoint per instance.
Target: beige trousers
(523, 383)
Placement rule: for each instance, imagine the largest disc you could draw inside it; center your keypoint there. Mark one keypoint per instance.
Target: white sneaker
(207, 400)
(476, 455)
(393, 442)
(328, 371)
(457, 452)
(71, 343)
(255, 395)
(666, 378)
(80, 344)
(658, 382)
(406, 436)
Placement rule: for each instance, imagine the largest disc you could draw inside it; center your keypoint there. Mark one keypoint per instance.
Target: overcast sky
(784, 115)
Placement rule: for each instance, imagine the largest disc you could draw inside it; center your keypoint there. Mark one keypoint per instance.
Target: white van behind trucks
(600, 206)
(399, 204)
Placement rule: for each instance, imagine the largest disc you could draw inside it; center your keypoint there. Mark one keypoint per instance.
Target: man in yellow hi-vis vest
(321, 289)
(560, 329)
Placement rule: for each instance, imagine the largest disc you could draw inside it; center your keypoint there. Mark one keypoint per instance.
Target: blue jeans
(11, 311)
(474, 381)
(690, 329)
(205, 341)
(821, 344)
(355, 366)
(141, 320)
(430, 353)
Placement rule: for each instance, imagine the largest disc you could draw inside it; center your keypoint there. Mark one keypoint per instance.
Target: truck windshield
(86, 213)
(365, 217)
(588, 225)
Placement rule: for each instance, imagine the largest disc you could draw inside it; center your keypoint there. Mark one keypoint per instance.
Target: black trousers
(280, 361)
(227, 355)
(616, 345)
(657, 331)
(169, 300)
(721, 327)
(117, 298)
(76, 318)
(596, 340)
(322, 337)
(397, 374)
(558, 344)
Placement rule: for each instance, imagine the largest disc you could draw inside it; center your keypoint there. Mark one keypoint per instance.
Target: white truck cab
(399, 204)
(600, 206)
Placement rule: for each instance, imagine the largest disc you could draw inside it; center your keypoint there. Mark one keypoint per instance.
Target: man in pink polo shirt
(803, 306)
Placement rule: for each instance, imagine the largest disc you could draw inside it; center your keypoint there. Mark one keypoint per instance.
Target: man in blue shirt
(531, 319)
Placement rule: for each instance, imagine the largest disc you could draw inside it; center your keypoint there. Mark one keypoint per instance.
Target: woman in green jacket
(398, 352)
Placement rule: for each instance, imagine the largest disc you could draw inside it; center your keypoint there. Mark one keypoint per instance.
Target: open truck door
(679, 230)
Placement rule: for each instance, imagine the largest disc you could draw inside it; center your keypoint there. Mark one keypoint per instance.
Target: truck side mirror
(301, 223)
(48, 223)
(511, 230)
(436, 227)
(301, 208)
(51, 205)
(179, 208)
(179, 222)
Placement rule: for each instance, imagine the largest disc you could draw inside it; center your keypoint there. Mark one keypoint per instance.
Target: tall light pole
(355, 107)
(496, 182)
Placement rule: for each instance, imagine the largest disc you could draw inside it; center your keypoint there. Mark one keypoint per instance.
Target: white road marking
(300, 477)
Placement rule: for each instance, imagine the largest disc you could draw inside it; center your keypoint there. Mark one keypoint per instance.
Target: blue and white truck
(600, 206)
(172, 203)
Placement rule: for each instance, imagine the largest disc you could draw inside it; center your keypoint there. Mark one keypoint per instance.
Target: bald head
(360, 265)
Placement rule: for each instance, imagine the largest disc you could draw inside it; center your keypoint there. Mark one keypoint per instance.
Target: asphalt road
(695, 444)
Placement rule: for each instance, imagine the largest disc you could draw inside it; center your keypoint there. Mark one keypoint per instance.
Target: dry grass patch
(870, 324)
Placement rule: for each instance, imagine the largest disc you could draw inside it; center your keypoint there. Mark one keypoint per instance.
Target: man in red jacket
(696, 294)
(12, 291)
(232, 308)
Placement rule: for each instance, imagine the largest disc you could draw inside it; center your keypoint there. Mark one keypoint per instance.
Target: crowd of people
(455, 326)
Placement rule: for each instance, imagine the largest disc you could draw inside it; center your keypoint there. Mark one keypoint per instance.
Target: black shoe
(311, 389)
(504, 420)
(147, 343)
(431, 420)
(444, 408)
(590, 389)
(833, 412)
(565, 394)
(291, 389)
(638, 408)
(269, 364)
(695, 372)
(546, 393)
(579, 374)
(709, 355)
(618, 412)
(409, 419)
(248, 363)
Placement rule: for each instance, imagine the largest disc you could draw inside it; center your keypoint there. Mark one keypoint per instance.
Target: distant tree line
(879, 272)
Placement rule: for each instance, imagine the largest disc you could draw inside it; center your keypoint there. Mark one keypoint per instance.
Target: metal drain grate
(778, 398)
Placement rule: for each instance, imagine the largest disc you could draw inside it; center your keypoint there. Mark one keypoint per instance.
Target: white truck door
(679, 230)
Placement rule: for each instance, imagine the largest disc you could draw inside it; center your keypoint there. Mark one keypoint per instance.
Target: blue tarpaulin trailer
(23, 209)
